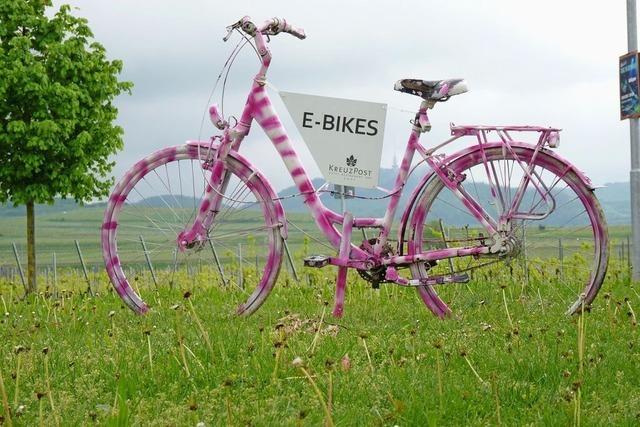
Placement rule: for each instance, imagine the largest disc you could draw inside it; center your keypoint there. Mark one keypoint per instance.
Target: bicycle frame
(259, 108)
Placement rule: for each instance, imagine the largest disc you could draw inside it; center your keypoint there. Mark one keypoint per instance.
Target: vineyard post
(15, 252)
(84, 269)
(55, 277)
(293, 267)
(240, 277)
(561, 256)
(217, 261)
(446, 244)
(466, 233)
(175, 266)
(146, 256)
(629, 255)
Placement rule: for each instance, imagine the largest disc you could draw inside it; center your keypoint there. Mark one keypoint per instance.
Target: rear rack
(463, 130)
(548, 135)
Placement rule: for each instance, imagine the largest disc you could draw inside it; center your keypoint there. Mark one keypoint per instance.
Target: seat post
(421, 121)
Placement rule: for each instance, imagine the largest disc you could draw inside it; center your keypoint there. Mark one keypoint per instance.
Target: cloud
(545, 62)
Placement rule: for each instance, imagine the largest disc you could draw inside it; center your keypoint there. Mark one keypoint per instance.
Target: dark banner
(629, 101)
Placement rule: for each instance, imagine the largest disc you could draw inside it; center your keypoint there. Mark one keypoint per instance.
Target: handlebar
(270, 27)
(274, 26)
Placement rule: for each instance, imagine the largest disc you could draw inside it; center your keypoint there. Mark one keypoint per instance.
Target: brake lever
(230, 30)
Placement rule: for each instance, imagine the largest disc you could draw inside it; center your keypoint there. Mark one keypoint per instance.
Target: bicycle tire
(434, 191)
(122, 206)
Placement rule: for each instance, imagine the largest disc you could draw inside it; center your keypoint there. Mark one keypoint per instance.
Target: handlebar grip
(278, 25)
(294, 31)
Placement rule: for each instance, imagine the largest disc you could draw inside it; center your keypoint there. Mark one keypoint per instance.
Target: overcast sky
(551, 63)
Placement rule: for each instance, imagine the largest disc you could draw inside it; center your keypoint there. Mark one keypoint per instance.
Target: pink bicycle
(194, 204)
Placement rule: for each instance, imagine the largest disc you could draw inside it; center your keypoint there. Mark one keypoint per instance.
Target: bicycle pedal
(316, 261)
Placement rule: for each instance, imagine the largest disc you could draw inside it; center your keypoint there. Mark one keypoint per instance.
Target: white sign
(343, 135)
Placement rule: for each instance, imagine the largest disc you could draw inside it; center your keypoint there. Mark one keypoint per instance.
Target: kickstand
(343, 257)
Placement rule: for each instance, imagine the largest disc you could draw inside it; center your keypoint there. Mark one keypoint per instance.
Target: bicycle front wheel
(159, 197)
(556, 234)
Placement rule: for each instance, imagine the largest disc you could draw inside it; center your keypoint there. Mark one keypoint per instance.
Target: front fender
(474, 152)
(256, 175)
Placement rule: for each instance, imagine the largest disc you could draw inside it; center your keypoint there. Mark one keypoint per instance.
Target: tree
(56, 110)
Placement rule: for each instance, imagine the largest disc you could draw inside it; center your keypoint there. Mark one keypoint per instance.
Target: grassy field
(508, 356)
(56, 232)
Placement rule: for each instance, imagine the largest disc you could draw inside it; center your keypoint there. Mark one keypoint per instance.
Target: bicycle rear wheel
(558, 243)
(159, 197)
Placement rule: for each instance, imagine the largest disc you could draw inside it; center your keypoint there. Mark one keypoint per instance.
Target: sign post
(634, 133)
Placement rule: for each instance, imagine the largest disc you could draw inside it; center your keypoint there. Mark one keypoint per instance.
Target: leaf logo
(351, 161)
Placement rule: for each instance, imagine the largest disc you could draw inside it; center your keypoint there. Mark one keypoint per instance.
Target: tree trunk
(31, 248)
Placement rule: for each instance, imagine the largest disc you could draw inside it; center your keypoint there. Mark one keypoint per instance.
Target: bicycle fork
(198, 232)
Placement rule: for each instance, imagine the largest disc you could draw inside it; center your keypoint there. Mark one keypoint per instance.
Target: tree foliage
(57, 89)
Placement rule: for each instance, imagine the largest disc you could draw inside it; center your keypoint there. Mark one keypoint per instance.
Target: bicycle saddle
(432, 90)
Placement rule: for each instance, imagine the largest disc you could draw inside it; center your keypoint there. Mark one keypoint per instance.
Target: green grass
(191, 360)
(517, 363)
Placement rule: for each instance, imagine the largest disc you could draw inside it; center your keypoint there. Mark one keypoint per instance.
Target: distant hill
(614, 197)
(59, 205)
